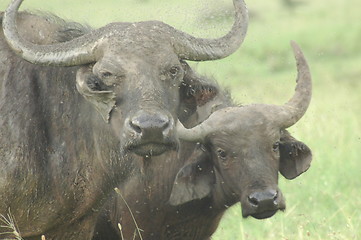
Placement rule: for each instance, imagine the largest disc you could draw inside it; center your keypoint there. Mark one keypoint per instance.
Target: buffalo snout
(150, 134)
(150, 126)
(263, 203)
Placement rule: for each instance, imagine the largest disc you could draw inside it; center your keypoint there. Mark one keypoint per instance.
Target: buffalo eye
(276, 147)
(174, 71)
(105, 74)
(221, 154)
(96, 84)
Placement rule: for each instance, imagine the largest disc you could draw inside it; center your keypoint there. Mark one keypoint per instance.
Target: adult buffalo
(242, 150)
(78, 106)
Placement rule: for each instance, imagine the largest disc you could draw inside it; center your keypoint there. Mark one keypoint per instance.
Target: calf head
(247, 147)
(132, 72)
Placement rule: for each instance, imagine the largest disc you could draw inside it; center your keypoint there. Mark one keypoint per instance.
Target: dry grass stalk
(138, 230)
(121, 232)
(8, 223)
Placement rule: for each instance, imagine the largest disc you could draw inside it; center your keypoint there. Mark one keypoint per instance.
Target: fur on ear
(200, 97)
(202, 89)
(194, 180)
(102, 100)
(295, 156)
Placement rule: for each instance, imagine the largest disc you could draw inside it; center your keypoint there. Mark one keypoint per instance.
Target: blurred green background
(325, 202)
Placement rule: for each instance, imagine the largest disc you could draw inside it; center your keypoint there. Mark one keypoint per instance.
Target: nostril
(275, 196)
(166, 127)
(253, 200)
(135, 126)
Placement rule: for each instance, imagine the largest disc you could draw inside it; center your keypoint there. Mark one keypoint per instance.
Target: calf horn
(222, 117)
(195, 134)
(284, 116)
(296, 107)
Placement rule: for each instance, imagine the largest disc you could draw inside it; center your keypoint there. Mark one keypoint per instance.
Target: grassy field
(325, 202)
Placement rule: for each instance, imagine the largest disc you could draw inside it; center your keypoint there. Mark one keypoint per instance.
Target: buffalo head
(131, 72)
(248, 146)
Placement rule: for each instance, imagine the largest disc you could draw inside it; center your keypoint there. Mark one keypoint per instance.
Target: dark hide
(59, 159)
(147, 191)
(186, 199)
(235, 177)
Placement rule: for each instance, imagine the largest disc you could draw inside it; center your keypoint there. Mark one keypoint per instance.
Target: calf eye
(221, 153)
(276, 147)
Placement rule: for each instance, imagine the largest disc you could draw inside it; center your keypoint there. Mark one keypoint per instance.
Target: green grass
(325, 202)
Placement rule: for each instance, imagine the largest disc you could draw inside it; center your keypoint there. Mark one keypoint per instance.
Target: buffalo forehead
(141, 52)
(244, 129)
(142, 37)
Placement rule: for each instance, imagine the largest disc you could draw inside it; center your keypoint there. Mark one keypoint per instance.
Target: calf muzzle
(263, 204)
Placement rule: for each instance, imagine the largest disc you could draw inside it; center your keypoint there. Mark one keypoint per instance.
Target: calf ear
(295, 156)
(194, 180)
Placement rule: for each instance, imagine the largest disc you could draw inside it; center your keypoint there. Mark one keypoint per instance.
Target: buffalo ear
(95, 91)
(194, 180)
(195, 91)
(295, 156)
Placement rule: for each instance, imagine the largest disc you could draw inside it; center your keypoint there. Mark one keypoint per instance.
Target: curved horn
(200, 49)
(195, 134)
(82, 50)
(285, 116)
(76, 52)
(296, 107)
(224, 117)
